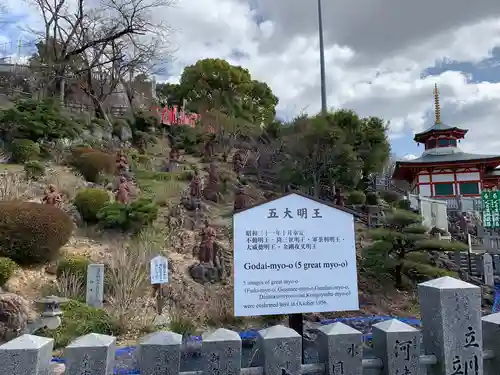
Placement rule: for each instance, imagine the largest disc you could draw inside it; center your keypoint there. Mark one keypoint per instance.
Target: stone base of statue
(211, 194)
(174, 166)
(191, 203)
(206, 272)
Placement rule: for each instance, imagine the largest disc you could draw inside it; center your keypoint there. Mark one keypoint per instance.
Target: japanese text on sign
(299, 213)
(284, 264)
(491, 209)
(159, 270)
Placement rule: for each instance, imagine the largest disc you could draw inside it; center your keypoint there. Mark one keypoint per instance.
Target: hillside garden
(48, 237)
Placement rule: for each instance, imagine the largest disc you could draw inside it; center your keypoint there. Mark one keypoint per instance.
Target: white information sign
(95, 285)
(294, 255)
(159, 270)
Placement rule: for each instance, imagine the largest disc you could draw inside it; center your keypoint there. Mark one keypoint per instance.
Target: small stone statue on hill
(211, 190)
(122, 166)
(213, 175)
(206, 252)
(122, 192)
(174, 158)
(208, 148)
(237, 163)
(52, 196)
(240, 199)
(210, 268)
(338, 199)
(195, 186)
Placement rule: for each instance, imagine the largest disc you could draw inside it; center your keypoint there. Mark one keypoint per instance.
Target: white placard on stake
(95, 285)
(159, 270)
(294, 255)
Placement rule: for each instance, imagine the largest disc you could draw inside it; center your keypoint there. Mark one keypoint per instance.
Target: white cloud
(376, 54)
(409, 157)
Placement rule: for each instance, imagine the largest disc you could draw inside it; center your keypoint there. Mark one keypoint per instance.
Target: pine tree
(401, 236)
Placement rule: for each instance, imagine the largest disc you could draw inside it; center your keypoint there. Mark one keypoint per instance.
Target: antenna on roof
(437, 108)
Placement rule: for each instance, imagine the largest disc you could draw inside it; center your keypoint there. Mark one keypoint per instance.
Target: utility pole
(324, 108)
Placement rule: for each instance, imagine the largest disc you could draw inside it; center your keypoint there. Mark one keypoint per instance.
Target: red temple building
(444, 170)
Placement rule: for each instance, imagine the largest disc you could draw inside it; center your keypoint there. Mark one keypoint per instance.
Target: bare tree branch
(100, 47)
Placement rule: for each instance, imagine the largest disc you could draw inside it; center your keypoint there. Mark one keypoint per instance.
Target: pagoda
(444, 170)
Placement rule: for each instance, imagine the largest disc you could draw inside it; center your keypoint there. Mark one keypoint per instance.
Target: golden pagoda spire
(437, 108)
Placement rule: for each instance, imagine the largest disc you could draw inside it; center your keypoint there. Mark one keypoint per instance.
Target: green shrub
(78, 320)
(38, 120)
(23, 150)
(404, 204)
(73, 265)
(391, 196)
(144, 160)
(372, 199)
(89, 202)
(34, 170)
(32, 233)
(7, 269)
(181, 324)
(133, 216)
(121, 128)
(185, 175)
(418, 257)
(420, 272)
(186, 138)
(356, 197)
(152, 175)
(92, 165)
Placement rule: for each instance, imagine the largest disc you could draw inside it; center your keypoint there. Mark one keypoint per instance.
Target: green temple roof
(452, 157)
(438, 127)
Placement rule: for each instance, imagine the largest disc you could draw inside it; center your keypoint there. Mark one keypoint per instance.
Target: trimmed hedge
(23, 150)
(92, 165)
(32, 233)
(89, 202)
(356, 197)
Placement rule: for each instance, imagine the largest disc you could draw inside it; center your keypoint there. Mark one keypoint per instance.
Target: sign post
(159, 276)
(95, 285)
(491, 209)
(294, 255)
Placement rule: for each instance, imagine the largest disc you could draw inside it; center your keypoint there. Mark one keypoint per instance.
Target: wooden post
(158, 293)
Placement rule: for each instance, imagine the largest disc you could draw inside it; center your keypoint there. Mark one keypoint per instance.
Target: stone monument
(488, 271)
